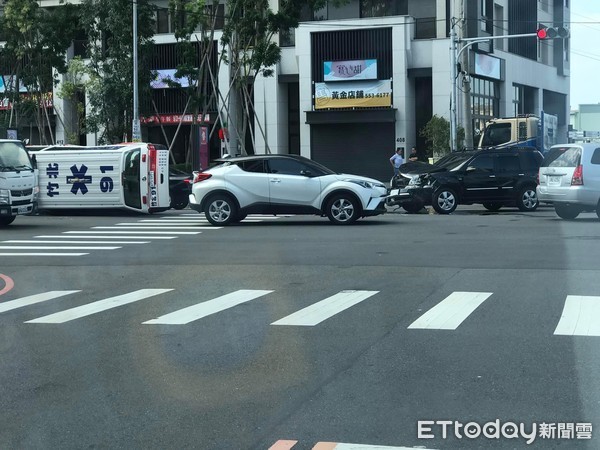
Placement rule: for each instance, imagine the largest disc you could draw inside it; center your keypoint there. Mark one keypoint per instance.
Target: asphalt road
(276, 330)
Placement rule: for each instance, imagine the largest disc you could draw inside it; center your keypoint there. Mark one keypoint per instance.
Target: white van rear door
(158, 178)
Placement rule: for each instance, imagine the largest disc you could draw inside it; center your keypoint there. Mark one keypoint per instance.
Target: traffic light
(544, 32)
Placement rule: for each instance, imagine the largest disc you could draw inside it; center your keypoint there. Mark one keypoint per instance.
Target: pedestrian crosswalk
(580, 314)
(114, 237)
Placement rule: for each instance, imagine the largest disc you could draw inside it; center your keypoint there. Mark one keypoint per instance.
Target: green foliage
(109, 90)
(437, 134)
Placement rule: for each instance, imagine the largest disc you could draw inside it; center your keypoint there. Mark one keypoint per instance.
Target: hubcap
(529, 199)
(446, 200)
(219, 210)
(342, 210)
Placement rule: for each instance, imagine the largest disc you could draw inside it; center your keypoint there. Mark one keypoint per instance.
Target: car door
(292, 183)
(249, 181)
(479, 180)
(508, 173)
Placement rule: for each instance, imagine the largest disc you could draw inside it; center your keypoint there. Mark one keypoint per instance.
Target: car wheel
(527, 199)
(5, 221)
(342, 209)
(180, 202)
(492, 206)
(413, 208)
(444, 201)
(567, 212)
(220, 209)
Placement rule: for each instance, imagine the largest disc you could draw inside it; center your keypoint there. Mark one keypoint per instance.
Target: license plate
(554, 180)
(22, 210)
(394, 191)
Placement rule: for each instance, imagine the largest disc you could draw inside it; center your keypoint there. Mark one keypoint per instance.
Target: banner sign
(46, 100)
(360, 94)
(363, 69)
(172, 119)
(163, 75)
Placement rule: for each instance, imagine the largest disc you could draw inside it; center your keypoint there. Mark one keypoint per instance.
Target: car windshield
(13, 156)
(496, 134)
(563, 157)
(453, 160)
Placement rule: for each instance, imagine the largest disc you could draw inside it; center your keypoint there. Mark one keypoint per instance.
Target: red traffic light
(545, 32)
(542, 33)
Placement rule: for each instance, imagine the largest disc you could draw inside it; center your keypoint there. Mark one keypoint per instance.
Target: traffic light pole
(455, 54)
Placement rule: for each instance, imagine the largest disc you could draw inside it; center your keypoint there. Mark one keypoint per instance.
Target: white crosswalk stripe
(196, 312)
(41, 254)
(73, 236)
(450, 312)
(99, 306)
(54, 247)
(32, 300)
(323, 310)
(580, 316)
(16, 241)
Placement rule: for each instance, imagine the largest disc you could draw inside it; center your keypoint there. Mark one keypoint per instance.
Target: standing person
(397, 160)
(413, 154)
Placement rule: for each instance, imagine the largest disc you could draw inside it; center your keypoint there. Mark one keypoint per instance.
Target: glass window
(531, 161)
(382, 8)
(13, 156)
(162, 21)
(285, 166)
(497, 134)
(508, 163)
(596, 156)
(484, 163)
(563, 157)
(255, 166)
(131, 179)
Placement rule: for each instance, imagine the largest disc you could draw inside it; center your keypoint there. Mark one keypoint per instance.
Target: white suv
(283, 184)
(570, 179)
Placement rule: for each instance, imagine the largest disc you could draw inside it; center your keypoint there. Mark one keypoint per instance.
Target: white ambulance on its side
(126, 176)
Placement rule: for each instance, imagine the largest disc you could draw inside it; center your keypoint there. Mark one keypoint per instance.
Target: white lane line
(53, 247)
(150, 227)
(200, 310)
(450, 312)
(99, 306)
(73, 242)
(105, 237)
(32, 299)
(133, 232)
(580, 316)
(344, 446)
(42, 254)
(323, 310)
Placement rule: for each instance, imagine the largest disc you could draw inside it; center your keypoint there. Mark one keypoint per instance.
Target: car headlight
(4, 196)
(367, 184)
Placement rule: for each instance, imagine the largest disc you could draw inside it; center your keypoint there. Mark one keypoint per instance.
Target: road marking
(150, 227)
(106, 237)
(42, 254)
(323, 310)
(33, 299)
(99, 306)
(8, 284)
(283, 445)
(134, 232)
(580, 316)
(74, 242)
(450, 312)
(200, 310)
(53, 247)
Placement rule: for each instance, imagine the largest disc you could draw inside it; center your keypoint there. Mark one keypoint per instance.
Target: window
(162, 21)
(563, 157)
(131, 179)
(496, 134)
(255, 166)
(508, 163)
(382, 8)
(531, 161)
(483, 163)
(285, 166)
(596, 156)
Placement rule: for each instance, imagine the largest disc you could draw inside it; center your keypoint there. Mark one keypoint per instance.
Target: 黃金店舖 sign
(353, 94)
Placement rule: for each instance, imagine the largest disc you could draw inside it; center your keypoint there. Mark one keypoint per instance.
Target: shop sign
(362, 69)
(361, 94)
(172, 119)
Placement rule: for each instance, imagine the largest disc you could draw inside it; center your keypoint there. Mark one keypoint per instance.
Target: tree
(109, 89)
(36, 41)
(437, 134)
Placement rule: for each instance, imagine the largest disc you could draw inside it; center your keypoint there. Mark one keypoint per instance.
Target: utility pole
(467, 110)
(136, 135)
(453, 75)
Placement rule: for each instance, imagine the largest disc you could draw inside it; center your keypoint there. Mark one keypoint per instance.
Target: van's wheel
(342, 209)
(5, 221)
(527, 199)
(568, 212)
(492, 206)
(220, 210)
(444, 201)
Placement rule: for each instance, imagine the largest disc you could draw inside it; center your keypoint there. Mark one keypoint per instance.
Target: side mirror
(471, 169)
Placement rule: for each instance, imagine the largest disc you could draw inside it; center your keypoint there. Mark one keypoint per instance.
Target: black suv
(493, 177)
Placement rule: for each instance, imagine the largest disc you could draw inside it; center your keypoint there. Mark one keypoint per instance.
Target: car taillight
(201, 176)
(188, 181)
(577, 179)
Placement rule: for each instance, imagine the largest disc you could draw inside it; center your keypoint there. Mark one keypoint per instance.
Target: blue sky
(585, 52)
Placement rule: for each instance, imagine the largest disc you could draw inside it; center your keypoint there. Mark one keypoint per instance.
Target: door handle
(492, 176)
(162, 178)
(274, 180)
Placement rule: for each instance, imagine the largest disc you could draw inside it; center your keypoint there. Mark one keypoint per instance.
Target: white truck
(18, 182)
(123, 176)
(540, 132)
